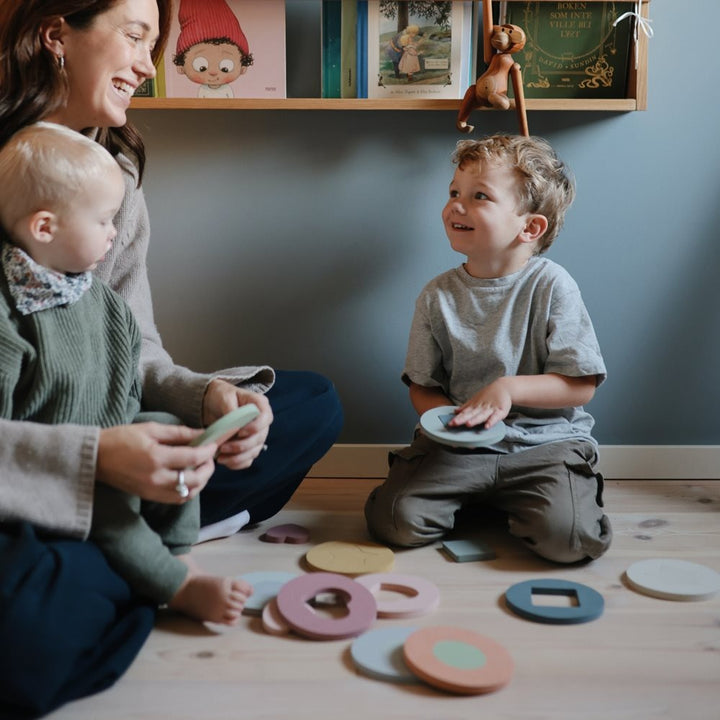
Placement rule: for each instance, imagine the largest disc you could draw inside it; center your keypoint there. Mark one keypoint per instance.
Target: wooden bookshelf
(636, 98)
(619, 105)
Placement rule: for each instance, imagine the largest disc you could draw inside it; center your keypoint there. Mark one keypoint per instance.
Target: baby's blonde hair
(44, 166)
(545, 185)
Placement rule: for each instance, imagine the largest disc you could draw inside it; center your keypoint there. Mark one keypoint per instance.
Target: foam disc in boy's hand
(226, 426)
(433, 424)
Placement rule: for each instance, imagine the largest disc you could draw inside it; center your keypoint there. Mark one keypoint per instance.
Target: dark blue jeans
(69, 625)
(308, 420)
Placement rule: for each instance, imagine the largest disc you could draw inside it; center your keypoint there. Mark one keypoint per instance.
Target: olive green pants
(551, 493)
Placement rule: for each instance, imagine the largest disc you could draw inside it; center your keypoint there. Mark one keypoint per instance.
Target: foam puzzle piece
(379, 655)
(288, 533)
(266, 585)
(433, 425)
(670, 579)
(590, 603)
(227, 425)
(468, 550)
(272, 621)
(350, 558)
(294, 596)
(416, 595)
(458, 660)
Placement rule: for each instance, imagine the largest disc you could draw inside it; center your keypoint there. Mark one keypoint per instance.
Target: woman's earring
(61, 62)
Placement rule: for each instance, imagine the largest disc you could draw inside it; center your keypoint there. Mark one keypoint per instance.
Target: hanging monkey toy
(490, 89)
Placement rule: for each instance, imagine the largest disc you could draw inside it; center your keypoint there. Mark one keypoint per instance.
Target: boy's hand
(487, 407)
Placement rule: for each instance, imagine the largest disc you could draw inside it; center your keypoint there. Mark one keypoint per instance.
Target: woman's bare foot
(210, 598)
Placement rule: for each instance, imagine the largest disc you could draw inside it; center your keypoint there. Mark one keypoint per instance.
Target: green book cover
(572, 49)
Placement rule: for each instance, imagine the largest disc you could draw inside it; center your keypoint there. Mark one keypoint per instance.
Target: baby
(69, 351)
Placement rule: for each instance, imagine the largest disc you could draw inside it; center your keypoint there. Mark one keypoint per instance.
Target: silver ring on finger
(181, 488)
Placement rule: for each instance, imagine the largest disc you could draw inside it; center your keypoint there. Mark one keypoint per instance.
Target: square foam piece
(468, 550)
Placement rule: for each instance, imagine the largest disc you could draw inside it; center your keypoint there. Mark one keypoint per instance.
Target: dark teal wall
(301, 239)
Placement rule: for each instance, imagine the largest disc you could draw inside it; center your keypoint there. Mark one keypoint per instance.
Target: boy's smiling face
(483, 220)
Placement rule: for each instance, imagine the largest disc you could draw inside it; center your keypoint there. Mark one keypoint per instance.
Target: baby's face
(213, 65)
(86, 228)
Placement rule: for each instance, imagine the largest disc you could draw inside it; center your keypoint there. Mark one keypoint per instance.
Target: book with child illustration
(573, 49)
(226, 49)
(420, 49)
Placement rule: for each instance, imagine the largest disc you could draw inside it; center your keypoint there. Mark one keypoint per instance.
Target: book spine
(331, 38)
(348, 49)
(362, 42)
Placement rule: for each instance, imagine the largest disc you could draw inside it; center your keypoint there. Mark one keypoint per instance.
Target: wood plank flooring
(643, 659)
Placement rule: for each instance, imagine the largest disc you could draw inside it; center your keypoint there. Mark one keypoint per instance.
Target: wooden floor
(644, 658)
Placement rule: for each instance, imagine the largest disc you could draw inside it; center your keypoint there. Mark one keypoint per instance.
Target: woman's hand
(145, 460)
(241, 449)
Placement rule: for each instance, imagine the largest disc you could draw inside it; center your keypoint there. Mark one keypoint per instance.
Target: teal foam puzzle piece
(468, 550)
(590, 603)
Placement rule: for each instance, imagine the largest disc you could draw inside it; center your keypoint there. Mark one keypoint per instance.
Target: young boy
(504, 337)
(69, 350)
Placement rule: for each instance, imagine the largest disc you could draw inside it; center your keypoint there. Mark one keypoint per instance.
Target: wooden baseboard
(626, 462)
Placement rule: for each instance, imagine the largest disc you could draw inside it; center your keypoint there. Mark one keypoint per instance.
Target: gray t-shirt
(467, 332)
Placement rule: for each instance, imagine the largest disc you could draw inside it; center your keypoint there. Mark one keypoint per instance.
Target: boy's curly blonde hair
(545, 185)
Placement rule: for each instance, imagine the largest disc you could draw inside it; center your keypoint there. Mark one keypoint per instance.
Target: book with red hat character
(226, 49)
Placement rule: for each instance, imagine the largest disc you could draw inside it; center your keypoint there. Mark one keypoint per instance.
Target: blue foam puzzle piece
(468, 550)
(590, 602)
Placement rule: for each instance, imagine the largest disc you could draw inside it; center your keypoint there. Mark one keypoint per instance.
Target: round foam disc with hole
(293, 605)
(458, 660)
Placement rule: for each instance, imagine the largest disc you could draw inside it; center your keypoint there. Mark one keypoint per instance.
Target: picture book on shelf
(418, 49)
(226, 49)
(573, 49)
(153, 87)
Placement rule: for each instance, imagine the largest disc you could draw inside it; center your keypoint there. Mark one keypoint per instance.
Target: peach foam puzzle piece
(415, 595)
(293, 606)
(350, 558)
(272, 621)
(458, 660)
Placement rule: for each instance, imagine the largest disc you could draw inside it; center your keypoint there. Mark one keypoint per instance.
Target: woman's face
(106, 62)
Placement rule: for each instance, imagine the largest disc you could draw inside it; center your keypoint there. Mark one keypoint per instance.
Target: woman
(69, 626)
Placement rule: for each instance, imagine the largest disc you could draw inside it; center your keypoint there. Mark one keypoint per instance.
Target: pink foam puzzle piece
(293, 606)
(415, 595)
(288, 533)
(272, 621)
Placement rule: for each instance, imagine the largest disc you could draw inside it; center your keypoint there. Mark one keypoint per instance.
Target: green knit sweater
(70, 364)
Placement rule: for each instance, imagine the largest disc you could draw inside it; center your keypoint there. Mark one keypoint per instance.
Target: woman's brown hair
(33, 86)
